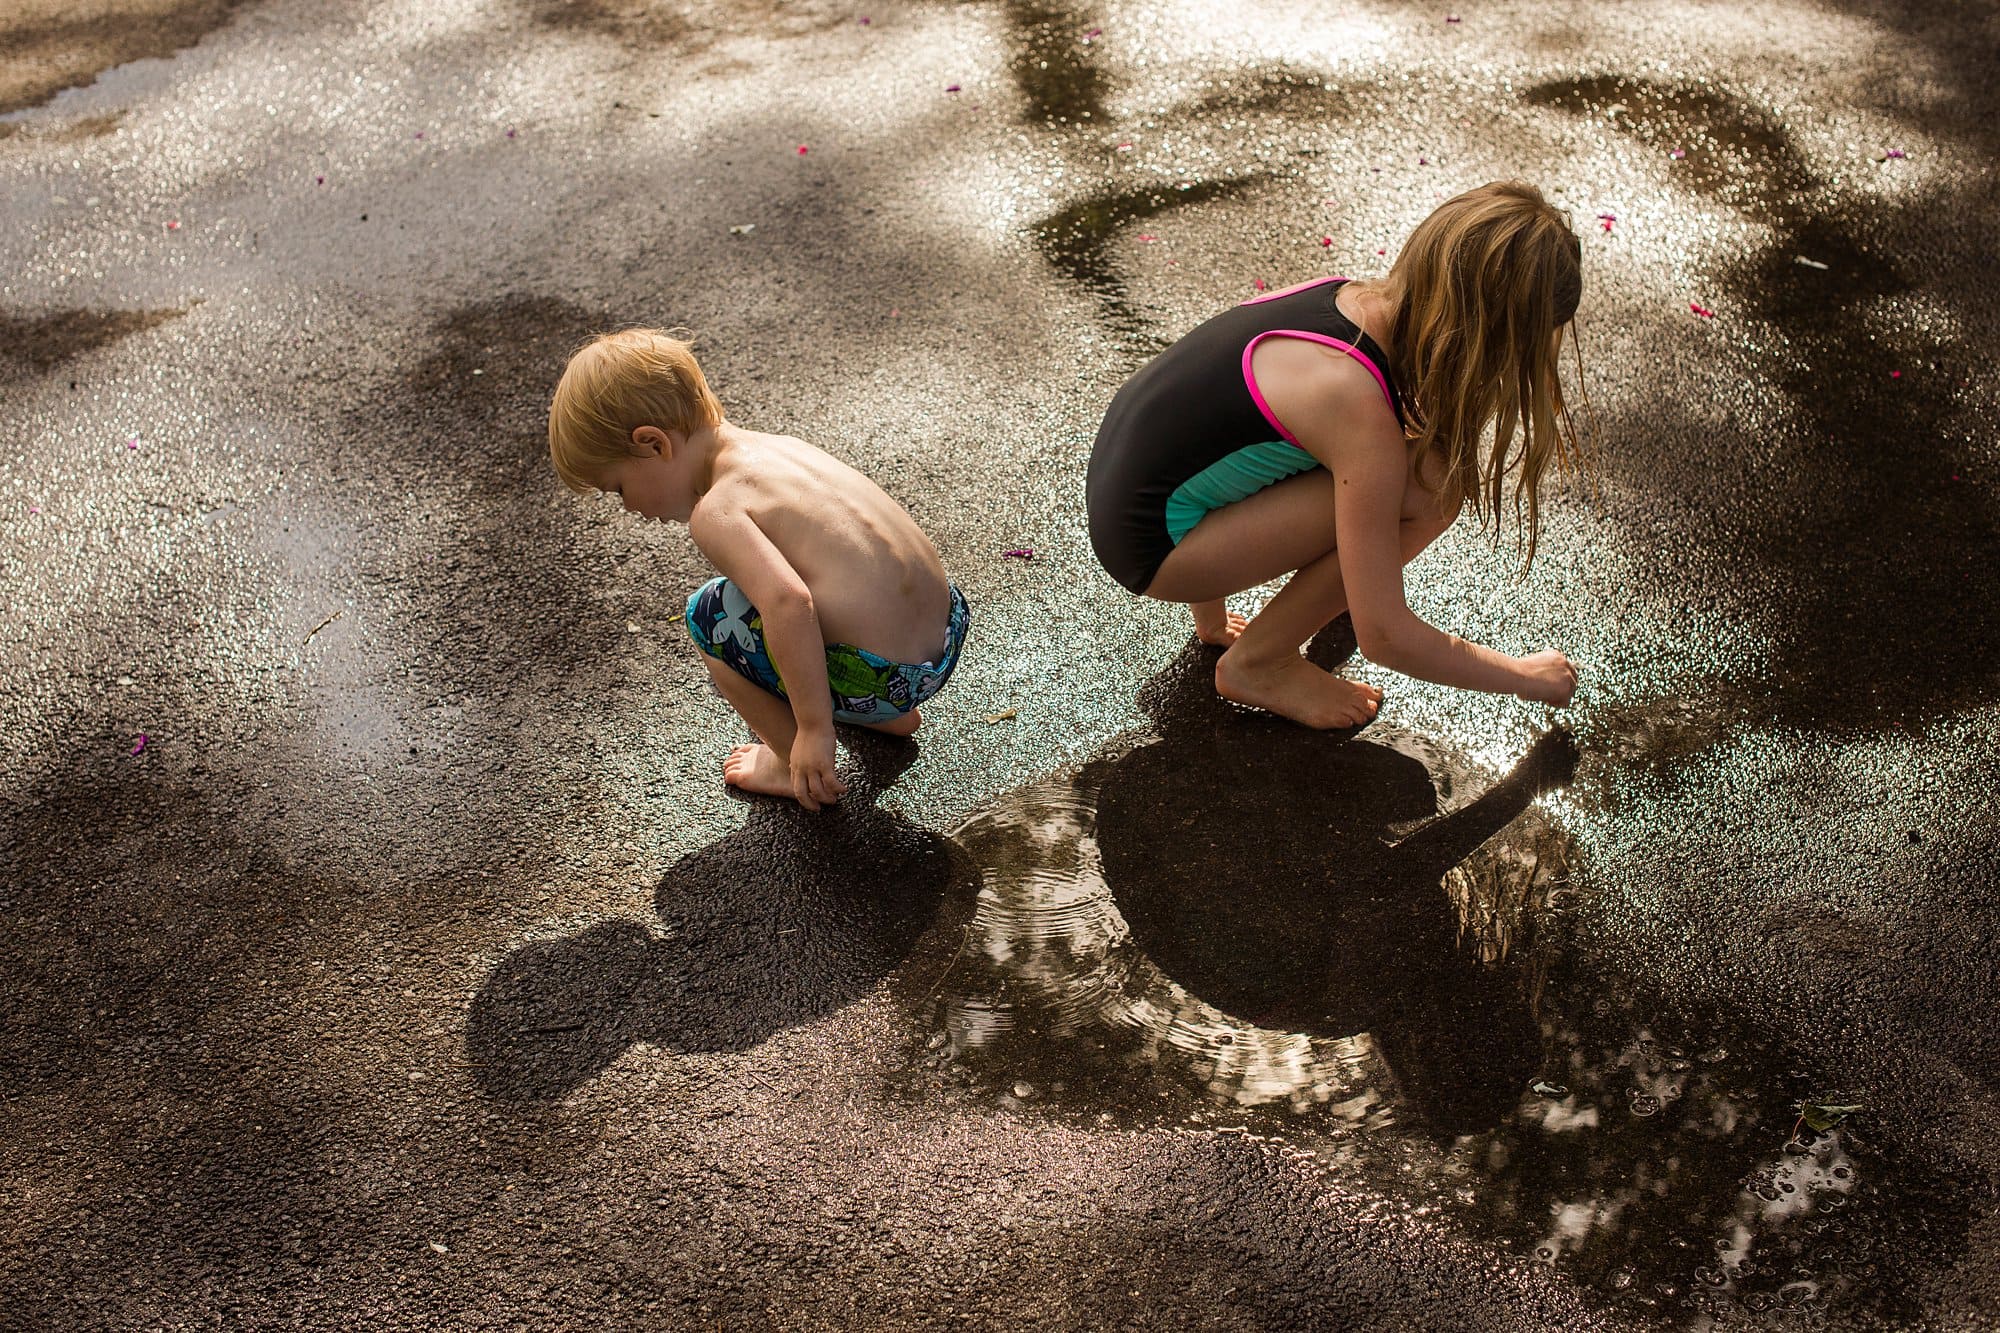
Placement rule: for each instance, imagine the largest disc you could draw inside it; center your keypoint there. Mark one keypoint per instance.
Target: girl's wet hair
(1483, 290)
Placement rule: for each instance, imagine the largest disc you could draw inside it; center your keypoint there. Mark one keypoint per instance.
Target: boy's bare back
(875, 578)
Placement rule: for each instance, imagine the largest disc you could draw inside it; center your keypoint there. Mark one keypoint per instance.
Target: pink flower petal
(139, 744)
(1895, 152)
(864, 20)
(510, 133)
(1326, 242)
(1019, 553)
(174, 226)
(319, 180)
(802, 150)
(1895, 374)
(1258, 283)
(1381, 252)
(951, 87)
(1701, 310)
(1678, 154)
(1144, 237)
(132, 443)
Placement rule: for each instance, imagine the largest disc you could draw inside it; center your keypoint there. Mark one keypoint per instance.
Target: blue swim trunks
(866, 688)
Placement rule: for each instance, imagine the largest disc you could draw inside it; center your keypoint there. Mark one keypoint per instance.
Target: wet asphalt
(383, 950)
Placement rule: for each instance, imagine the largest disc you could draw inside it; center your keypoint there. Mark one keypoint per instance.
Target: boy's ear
(650, 442)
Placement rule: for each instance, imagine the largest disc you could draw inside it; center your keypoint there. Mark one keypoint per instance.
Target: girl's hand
(1546, 678)
(814, 783)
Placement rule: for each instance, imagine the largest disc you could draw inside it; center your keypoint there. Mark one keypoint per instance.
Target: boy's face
(649, 484)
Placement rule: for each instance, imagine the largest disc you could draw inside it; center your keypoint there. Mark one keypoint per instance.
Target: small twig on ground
(322, 625)
(963, 940)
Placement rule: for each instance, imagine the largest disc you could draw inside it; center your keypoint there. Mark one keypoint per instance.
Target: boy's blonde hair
(616, 383)
(1483, 290)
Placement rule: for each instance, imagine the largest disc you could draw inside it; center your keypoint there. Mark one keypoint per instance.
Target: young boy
(832, 605)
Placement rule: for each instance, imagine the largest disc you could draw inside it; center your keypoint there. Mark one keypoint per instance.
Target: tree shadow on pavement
(1292, 878)
(787, 919)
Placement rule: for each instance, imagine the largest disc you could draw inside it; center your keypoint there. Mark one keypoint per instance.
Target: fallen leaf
(1821, 1116)
(1003, 715)
(743, 229)
(1809, 263)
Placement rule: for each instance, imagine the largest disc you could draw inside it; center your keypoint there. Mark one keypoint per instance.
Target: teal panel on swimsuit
(1235, 477)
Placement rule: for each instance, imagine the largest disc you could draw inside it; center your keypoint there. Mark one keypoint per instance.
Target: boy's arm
(737, 547)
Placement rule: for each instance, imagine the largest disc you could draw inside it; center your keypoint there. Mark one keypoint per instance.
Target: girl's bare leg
(1281, 528)
(1263, 668)
(765, 767)
(1215, 623)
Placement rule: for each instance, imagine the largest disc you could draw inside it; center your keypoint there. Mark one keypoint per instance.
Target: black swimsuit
(1191, 431)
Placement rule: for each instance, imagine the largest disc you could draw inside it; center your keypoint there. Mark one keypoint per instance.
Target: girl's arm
(1349, 429)
(741, 550)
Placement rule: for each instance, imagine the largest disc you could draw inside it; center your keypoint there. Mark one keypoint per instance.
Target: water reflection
(1241, 912)
(1361, 944)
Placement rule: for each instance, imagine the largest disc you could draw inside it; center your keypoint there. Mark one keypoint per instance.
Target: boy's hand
(1547, 678)
(814, 783)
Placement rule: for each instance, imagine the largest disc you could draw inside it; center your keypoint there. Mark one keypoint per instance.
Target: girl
(1333, 429)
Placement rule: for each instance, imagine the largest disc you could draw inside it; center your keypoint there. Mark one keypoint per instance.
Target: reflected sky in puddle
(1361, 946)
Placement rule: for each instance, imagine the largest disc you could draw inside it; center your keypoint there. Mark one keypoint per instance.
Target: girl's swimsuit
(866, 688)
(1190, 432)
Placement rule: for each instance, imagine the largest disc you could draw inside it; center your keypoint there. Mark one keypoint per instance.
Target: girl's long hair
(1483, 290)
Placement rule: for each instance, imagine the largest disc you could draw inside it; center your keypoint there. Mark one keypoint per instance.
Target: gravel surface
(384, 950)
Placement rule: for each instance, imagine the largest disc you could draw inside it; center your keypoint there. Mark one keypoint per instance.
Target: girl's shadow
(789, 918)
(1292, 878)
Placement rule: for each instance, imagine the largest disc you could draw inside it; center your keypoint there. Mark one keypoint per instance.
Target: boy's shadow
(787, 919)
(1289, 877)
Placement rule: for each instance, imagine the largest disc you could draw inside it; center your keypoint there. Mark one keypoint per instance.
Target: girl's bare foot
(758, 768)
(1215, 623)
(901, 726)
(1293, 687)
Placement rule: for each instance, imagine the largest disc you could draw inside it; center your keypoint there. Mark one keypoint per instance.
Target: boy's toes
(757, 768)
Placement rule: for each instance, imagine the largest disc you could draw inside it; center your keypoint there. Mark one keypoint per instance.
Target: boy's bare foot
(1215, 623)
(901, 726)
(1293, 687)
(758, 768)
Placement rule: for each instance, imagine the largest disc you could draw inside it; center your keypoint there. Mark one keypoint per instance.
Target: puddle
(686, 29)
(74, 131)
(1733, 151)
(37, 344)
(1078, 241)
(1873, 365)
(1061, 86)
(1363, 947)
(48, 49)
